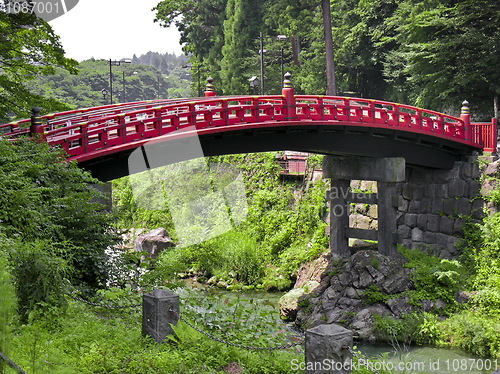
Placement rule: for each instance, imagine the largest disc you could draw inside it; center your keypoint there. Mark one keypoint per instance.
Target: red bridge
(102, 138)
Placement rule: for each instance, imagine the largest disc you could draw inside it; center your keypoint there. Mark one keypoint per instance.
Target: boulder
(364, 321)
(153, 242)
(313, 271)
(345, 300)
(289, 302)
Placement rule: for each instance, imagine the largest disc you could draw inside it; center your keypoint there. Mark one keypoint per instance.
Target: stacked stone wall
(435, 204)
(364, 216)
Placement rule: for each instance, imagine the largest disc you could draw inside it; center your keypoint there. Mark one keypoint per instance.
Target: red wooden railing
(90, 133)
(486, 134)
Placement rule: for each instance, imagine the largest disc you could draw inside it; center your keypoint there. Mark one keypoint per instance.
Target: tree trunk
(495, 107)
(330, 64)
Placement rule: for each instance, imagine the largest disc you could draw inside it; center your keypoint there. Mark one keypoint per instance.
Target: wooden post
(339, 217)
(387, 228)
(288, 93)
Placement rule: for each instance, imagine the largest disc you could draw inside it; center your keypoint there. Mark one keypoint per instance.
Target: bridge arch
(104, 139)
(101, 139)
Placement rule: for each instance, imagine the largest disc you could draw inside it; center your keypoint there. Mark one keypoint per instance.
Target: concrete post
(160, 310)
(339, 217)
(324, 352)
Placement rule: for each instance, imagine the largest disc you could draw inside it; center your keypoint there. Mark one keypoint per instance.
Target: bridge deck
(94, 133)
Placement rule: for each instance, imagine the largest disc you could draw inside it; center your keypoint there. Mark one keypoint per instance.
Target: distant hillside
(165, 62)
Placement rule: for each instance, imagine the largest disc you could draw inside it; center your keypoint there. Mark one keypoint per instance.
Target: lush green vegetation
(131, 82)
(87, 339)
(431, 53)
(472, 325)
(281, 230)
(29, 49)
(53, 234)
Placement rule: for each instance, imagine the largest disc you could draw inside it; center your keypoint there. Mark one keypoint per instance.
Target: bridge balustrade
(90, 129)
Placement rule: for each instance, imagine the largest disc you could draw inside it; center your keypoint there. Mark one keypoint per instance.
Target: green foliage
(240, 33)
(428, 53)
(46, 199)
(131, 82)
(487, 300)
(420, 328)
(434, 278)
(444, 50)
(395, 330)
(373, 295)
(40, 273)
(130, 213)
(7, 307)
(29, 49)
(488, 257)
(474, 332)
(429, 330)
(281, 229)
(84, 342)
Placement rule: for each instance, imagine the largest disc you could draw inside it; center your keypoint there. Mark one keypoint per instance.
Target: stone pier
(387, 172)
(414, 206)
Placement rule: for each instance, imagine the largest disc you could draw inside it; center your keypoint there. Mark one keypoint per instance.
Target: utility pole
(330, 64)
(261, 40)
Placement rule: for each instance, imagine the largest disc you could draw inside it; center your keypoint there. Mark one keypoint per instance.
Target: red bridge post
(288, 93)
(210, 90)
(37, 127)
(465, 116)
(494, 134)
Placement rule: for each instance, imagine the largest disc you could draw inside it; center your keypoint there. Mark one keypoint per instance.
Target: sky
(114, 29)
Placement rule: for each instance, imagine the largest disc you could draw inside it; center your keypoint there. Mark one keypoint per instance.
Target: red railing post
(288, 93)
(37, 128)
(465, 117)
(494, 134)
(210, 88)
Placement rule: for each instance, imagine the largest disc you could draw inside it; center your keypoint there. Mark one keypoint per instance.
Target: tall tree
(201, 25)
(241, 32)
(28, 48)
(331, 83)
(447, 51)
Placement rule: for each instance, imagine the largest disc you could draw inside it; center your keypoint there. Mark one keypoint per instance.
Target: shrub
(39, 271)
(7, 306)
(474, 332)
(398, 330)
(44, 198)
(434, 278)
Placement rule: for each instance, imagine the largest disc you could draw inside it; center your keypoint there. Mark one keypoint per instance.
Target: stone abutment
(386, 202)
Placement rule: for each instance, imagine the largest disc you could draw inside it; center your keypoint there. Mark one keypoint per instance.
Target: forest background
(431, 53)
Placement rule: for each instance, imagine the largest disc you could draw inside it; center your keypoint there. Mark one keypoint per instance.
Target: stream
(414, 359)
(430, 359)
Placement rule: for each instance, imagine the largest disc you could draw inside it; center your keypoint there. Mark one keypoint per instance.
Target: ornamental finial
(287, 83)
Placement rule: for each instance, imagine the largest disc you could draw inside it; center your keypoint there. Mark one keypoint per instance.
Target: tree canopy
(28, 48)
(131, 82)
(433, 53)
